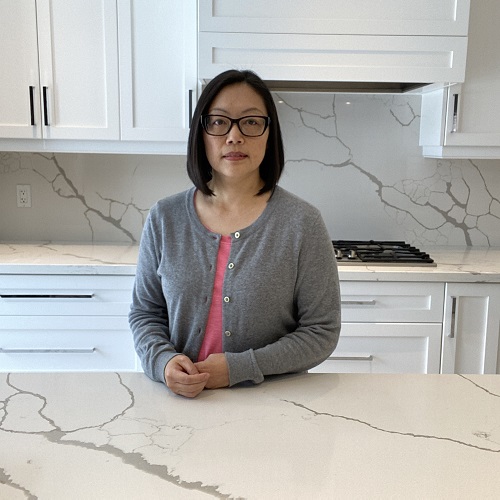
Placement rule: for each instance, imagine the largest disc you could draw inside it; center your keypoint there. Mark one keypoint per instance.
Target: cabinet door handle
(453, 323)
(45, 107)
(454, 125)
(358, 302)
(368, 357)
(30, 350)
(45, 296)
(32, 105)
(190, 107)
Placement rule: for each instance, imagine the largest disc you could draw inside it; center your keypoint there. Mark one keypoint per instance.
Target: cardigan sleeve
(317, 303)
(148, 316)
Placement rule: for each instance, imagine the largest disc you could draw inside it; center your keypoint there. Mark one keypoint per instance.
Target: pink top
(212, 342)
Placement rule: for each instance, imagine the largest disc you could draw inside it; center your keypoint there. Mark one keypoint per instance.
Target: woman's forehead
(239, 98)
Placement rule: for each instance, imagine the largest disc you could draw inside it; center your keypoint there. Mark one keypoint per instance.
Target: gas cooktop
(385, 253)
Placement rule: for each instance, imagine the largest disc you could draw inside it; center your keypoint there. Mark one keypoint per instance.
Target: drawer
(385, 348)
(79, 343)
(28, 295)
(371, 301)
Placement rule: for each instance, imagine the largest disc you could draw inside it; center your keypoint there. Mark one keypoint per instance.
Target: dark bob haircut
(198, 167)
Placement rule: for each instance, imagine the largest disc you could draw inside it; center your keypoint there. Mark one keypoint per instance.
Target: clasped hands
(188, 379)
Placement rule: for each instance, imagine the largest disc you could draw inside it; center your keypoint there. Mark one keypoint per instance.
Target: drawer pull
(71, 350)
(368, 357)
(358, 302)
(46, 296)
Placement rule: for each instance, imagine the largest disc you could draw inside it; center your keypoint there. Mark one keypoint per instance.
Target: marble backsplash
(356, 157)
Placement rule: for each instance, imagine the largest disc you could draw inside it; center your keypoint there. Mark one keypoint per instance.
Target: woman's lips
(234, 156)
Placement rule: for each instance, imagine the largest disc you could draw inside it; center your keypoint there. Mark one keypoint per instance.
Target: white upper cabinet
(422, 41)
(158, 81)
(463, 121)
(19, 87)
(67, 88)
(348, 17)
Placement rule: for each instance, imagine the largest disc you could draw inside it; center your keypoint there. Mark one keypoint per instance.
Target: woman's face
(235, 156)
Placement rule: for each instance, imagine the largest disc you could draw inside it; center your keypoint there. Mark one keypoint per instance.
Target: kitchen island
(305, 436)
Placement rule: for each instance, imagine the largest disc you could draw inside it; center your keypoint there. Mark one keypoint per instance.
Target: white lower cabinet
(471, 328)
(66, 323)
(388, 327)
(385, 348)
(80, 323)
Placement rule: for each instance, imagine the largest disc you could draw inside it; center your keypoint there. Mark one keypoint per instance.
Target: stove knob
(338, 254)
(352, 255)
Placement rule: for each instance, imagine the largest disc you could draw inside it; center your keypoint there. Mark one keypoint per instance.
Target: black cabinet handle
(32, 105)
(45, 107)
(455, 114)
(190, 106)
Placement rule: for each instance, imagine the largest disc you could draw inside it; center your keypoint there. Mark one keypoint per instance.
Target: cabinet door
(78, 69)
(157, 68)
(463, 121)
(359, 17)
(19, 88)
(385, 348)
(471, 328)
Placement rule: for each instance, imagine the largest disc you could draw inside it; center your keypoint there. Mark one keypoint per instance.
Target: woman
(236, 277)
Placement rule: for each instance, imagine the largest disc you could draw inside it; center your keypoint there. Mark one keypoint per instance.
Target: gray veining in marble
(434, 202)
(124, 436)
(356, 157)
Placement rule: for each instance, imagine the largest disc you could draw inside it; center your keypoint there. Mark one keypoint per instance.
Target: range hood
(344, 87)
(345, 46)
(340, 87)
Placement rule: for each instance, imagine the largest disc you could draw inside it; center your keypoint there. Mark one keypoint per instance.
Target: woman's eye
(219, 122)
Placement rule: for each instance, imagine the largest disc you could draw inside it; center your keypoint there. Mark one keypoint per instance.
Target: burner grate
(382, 252)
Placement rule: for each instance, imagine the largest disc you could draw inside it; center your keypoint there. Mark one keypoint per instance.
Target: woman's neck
(232, 195)
(230, 209)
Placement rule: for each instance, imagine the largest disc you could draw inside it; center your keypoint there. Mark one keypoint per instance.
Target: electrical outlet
(24, 195)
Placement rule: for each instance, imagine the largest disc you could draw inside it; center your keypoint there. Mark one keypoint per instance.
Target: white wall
(356, 157)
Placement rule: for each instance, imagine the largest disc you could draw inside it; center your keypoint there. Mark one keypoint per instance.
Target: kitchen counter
(60, 258)
(314, 436)
(454, 264)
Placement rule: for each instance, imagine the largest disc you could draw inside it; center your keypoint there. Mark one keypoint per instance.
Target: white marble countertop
(314, 436)
(459, 264)
(67, 258)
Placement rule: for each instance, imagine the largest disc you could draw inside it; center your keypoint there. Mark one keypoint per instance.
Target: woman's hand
(216, 366)
(183, 378)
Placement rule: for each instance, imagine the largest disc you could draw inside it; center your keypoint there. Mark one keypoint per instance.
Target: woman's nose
(234, 134)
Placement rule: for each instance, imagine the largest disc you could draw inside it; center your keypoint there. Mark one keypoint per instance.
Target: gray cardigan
(281, 308)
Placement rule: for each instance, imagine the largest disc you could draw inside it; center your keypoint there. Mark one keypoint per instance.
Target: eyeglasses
(250, 126)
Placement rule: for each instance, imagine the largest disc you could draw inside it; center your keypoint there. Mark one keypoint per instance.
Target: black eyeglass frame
(237, 121)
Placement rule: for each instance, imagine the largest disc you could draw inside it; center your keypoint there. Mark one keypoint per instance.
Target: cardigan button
(226, 299)
(231, 265)
(227, 333)
(237, 234)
